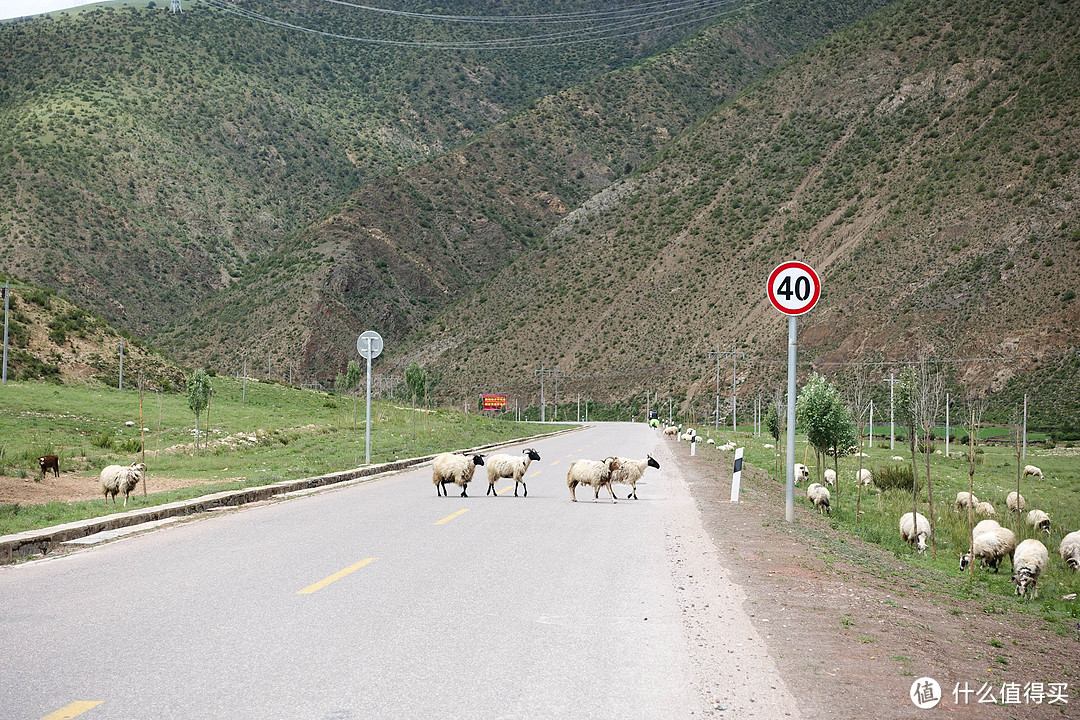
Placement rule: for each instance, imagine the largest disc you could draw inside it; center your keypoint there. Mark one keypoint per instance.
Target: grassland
(258, 434)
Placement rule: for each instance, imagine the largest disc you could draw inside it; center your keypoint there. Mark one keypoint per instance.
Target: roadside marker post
(736, 476)
(793, 289)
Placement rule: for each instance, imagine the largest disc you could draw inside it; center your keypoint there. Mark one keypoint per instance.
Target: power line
(548, 18)
(568, 37)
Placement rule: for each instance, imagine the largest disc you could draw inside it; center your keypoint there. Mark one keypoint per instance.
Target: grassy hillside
(404, 246)
(923, 161)
(147, 160)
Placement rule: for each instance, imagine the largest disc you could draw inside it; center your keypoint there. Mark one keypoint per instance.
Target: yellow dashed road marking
(535, 474)
(73, 710)
(448, 518)
(508, 488)
(334, 578)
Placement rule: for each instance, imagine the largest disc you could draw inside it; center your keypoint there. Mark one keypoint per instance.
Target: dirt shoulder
(852, 626)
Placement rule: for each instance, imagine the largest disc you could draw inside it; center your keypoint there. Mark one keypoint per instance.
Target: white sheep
(965, 500)
(671, 430)
(726, 447)
(819, 495)
(864, 476)
(630, 471)
(710, 441)
(1070, 549)
(801, 472)
(116, 479)
(984, 525)
(915, 532)
(830, 476)
(452, 468)
(985, 509)
(1015, 502)
(596, 473)
(898, 458)
(1029, 561)
(1032, 470)
(991, 547)
(509, 466)
(1039, 520)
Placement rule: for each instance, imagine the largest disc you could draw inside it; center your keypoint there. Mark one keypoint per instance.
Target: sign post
(794, 288)
(369, 345)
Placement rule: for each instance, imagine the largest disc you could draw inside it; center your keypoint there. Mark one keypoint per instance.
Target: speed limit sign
(794, 288)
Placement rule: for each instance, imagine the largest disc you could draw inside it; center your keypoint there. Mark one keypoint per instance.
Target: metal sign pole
(789, 505)
(367, 424)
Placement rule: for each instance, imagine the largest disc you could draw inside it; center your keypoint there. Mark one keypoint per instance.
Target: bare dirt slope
(851, 627)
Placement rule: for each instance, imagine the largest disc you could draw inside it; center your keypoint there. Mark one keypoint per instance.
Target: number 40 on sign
(794, 288)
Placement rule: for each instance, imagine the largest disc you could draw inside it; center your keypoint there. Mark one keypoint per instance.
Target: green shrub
(103, 440)
(893, 477)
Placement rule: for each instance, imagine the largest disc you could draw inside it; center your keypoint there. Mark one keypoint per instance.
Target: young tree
(905, 412)
(827, 421)
(976, 406)
(859, 393)
(929, 393)
(353, 375)
(198, 395)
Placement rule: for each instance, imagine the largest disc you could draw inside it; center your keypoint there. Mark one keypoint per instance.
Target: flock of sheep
(459, 469)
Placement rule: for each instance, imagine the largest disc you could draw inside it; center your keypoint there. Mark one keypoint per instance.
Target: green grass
(297, 433)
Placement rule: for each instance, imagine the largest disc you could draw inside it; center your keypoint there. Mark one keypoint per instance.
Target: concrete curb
(39, 542)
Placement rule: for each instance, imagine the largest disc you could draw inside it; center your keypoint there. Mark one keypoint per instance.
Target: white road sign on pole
(793, 289)
(369, 345)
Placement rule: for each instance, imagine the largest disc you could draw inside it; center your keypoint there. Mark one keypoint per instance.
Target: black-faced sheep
(1032, 470)
(116, 479)
(801, 473)
(49, 462)
(457, 469)
(1039, 520)
(1070, 549)
(915, 532)
(1015, 502)
(820, 496)
(991, 547)
(1029, 561)
(630, 471)
(596, 473)
(508, 466)
(830, 476)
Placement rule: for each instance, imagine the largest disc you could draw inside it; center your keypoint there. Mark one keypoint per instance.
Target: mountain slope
(404, 246)
(923, 161)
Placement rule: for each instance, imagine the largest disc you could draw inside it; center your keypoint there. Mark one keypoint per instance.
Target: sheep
(508, 466)
(629, 472)
(116, 479)
(49, 462)
(1032, 470)
(801, 472)
(710, 441)
(591, 472)
(726, 447)
(671, 431)
(984, 525)
(964, 500)
(991, 547)
(1070, 549)
(1039, 520)
(916, 532)
(1014, 504)
(1029, 561)
(864, 476)
(819, 495)
(986, 509)
(830, 476)
(898, 458)
(452, 468)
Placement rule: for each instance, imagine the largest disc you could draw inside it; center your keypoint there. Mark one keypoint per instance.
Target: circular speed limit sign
(794, 288)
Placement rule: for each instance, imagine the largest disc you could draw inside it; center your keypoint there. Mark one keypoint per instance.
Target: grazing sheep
(769, 446)
(801, 472)
(898, 458)
(1015, 504)
(671, 430)
(1070, 549)
(964, 500)
(1039, 520)
(1029, 561)
(457, 469)
(116, 479)
(49, 462)
(591, 472)
(630, 471)
(1032, 470)
(726, 447)
(819, 495)
(864, 476)
(915, 532)
(830, 476)
(991, 547)
(508, 466)
(985, 509)
(984, 525)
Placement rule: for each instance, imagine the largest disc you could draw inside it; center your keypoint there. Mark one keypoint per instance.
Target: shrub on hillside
(893, 477)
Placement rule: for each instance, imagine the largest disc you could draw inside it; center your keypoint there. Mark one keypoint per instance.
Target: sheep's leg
(573, 495)
(463, 489)
(608, 485)
(523, 485)
(441, 486)
(491, 489)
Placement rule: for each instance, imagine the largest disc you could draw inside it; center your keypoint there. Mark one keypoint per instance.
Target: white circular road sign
(369, 345)
(794, 288)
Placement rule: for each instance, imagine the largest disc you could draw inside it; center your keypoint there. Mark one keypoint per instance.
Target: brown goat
(49, 462)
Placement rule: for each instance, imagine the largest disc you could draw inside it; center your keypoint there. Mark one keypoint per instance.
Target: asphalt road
(382, 600)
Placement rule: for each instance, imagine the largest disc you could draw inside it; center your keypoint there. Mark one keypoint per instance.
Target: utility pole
(1024, 452)
(892, 416)
(734, 353)
(7, 293)
(544, 372)
(121, 386)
